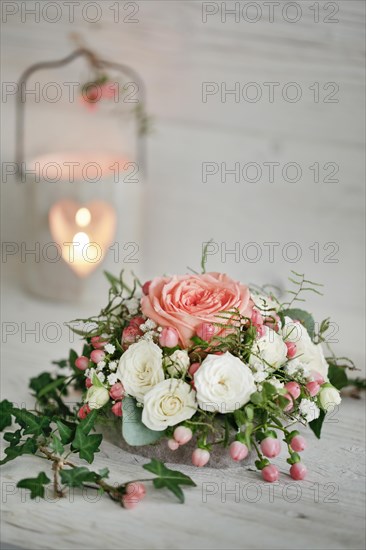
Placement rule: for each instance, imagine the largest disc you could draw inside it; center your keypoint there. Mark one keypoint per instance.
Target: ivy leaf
(87, 445)
(316, 425)
(88, 423)
(134, 432)
(169, 479)
(29, 447)
(53, 385)
(76, 477)
(56, 445)
(62, 364)
(304, 317)
(13, 437)
(35, 485)
(32, 424)
(337, 376)
(6, 409)
(66, 431)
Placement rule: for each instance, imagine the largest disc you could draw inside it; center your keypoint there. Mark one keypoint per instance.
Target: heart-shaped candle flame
(83, 233)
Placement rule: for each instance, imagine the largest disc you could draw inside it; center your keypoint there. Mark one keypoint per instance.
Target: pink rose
(184, 302)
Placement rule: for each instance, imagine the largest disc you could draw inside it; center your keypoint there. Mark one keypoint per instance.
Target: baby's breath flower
(110, 348)
(112, 378)
(101, 376)
(113, 365)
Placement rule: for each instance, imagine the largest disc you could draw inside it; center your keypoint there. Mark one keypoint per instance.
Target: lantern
(82, 172)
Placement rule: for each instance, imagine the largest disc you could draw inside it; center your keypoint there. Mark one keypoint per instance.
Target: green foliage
(36, 485)
(169, 479)
(6, 409)
(337, 376)
(29, 447)
(76, 477)
(305, 318)
(316, 425)
(133, 430)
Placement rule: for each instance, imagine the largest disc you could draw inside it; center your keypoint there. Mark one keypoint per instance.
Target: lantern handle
(97, 63)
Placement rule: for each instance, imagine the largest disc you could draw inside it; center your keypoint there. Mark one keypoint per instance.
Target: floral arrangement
(195, 358)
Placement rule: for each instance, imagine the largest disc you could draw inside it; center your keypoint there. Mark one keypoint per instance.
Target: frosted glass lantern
(80, 156)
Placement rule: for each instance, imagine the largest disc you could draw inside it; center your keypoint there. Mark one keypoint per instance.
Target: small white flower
(132, 305)
(110, 348)
(298, 369)
(309, 410)
(260, 371)
(112, 378)
(148, 336)
(101, 376)
(87, 373)
(178, 363)
(113, 365)
(101, 365)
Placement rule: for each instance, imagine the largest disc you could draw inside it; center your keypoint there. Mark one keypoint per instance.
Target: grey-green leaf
(134, 432)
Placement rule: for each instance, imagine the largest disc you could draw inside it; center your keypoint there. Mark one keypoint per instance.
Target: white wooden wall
(175, 52)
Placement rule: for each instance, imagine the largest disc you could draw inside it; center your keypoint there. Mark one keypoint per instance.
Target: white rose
(140, 368)
(270, 348)
(223, 383)
(168, 404)
(177, 363)
(307, 352)
(97, 397)
(329, 397)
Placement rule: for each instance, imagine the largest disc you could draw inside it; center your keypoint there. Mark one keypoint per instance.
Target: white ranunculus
(270, 348)
(329, 397)
(307, 352)
(140, 368)
(168, 403)
(223, 383)
(177, 363)
(97, 397)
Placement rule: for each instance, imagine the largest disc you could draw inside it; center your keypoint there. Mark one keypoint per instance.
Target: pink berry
(194, 368)
(291, 349)
(173, 444)
(83, 411)
(293, 389)
(97, 355)
(290, 405)
(257, 318)
(129, 502)
(200, 457)
(238, 451)
(270, 473)
(117, 408)
(88, 383)
(82, 362)
(273, 321)
(130, 335)
(145, 287)
(136, 322)
(298, 471)
(317, 377)
(182, 435)
(136, 489)
(298, 443)
(169, 337)
(206, 331)
(270, 447)
(313, 388)
(117, 391)
(98, 343)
